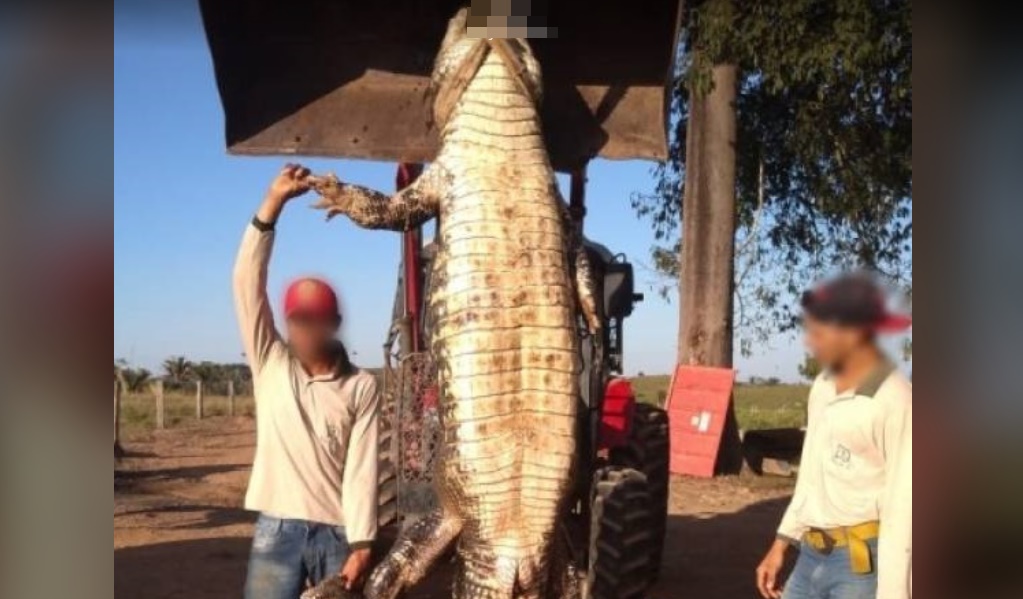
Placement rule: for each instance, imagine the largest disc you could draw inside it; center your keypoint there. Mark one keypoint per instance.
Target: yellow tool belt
(855, 537)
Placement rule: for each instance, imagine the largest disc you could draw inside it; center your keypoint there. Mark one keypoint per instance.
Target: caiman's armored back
(507, 282)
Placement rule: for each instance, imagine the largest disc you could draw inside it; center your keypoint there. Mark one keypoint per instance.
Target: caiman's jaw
(460, 58)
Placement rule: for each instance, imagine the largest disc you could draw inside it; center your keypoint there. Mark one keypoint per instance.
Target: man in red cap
(852, 512)
(314, 478)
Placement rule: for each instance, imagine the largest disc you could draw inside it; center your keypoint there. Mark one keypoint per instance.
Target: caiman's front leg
(371, 209)
(585, 289)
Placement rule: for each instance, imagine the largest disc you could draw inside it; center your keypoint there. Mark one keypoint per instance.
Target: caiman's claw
(329, 189)
(331, 588)
(328, 186)
(332, 212)
(327, 204)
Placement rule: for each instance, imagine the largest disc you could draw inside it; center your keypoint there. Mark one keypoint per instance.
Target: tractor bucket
(348, 78)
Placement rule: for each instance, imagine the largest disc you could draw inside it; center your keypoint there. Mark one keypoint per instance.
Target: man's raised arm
(255, 317)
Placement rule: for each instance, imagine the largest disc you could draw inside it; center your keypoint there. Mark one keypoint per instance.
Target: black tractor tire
(648, 449)
(619, 535)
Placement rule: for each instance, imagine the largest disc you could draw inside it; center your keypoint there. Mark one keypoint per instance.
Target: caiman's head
(460, 57)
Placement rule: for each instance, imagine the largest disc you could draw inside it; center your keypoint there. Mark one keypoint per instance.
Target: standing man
(852, 512)
(314, 478)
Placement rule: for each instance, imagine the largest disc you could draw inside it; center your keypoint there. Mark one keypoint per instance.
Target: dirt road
(179, 531)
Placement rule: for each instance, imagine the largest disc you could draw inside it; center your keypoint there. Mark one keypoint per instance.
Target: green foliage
(180, 373)
(810, 368)
(214, 375)
(824, 147)
(205, 371)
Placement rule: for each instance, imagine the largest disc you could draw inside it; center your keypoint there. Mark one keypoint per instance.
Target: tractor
(346, 79)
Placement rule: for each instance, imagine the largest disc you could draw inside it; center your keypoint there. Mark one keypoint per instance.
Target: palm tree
(177, 368)
(136, 379)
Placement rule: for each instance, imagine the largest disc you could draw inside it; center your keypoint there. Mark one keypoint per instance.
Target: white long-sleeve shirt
(857, 466)
(316, 439)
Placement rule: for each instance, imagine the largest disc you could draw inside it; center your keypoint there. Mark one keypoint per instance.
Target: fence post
(117, 414)
(198, 399)
(230, 397)
(159, 405)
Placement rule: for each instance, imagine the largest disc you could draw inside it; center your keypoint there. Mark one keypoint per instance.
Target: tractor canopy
(348, 78)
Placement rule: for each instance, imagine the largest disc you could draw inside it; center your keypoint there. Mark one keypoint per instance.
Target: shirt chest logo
(333, 438)
(841, 456)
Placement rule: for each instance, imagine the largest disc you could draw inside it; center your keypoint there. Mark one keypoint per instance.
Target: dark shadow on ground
(124, 479)
(196, 569)
(207, 516)
(715, 557)
(186, 472)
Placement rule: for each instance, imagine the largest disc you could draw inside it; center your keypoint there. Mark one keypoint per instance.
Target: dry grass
(138, 411)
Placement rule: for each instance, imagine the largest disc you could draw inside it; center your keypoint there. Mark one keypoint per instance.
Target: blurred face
(831, 343)
(311, 337)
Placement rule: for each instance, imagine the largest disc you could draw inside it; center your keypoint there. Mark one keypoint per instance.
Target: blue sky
(181, 204)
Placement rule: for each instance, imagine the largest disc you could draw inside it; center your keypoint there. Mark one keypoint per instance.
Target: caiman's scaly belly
(504, 337)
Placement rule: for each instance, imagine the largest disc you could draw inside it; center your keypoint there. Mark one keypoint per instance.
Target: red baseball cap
(311, 297)
(854, 299)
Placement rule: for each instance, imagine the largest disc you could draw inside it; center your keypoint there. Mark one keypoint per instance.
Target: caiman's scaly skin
(506, 281)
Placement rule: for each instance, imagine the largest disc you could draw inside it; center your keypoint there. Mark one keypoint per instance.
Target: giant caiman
(508, 284)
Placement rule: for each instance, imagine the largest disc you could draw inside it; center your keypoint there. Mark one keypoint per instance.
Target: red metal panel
(697, 405)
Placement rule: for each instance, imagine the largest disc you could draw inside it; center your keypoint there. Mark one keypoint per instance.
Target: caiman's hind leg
(563, 579)
(416, 549)
(483, 575)
(534, 573)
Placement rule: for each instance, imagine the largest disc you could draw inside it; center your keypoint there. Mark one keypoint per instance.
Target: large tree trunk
(707, 259)
(707, 264)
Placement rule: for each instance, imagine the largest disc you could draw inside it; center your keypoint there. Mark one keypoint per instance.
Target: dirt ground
(179, 530)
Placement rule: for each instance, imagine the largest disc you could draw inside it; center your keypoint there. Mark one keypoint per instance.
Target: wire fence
(162, 405)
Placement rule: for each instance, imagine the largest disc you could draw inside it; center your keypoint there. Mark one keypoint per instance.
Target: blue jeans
(287, 553)
(819, 576)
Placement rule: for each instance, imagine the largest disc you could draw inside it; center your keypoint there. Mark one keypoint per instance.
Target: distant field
(756, 406)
